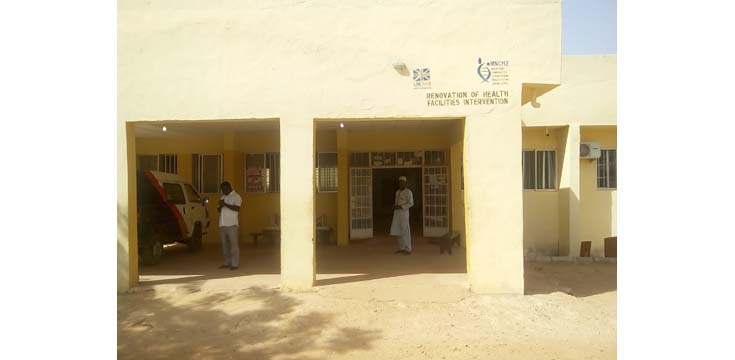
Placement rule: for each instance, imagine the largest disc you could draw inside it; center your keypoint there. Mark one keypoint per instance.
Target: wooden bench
(272, 234)
(447, 241)
(255, 237)
(324, 235)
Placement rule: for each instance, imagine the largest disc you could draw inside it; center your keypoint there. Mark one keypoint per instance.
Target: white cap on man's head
(402, 178)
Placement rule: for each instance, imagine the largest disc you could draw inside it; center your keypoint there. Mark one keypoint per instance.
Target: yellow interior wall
(389, 139)
(397, 139)
(457, 199)
(258, 207)
(541, 208)
(598, 206)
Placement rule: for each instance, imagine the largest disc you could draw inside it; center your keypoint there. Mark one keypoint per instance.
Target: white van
(170, 210)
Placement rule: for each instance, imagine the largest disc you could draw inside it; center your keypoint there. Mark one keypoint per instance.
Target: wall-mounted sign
(422, 78)
(254, 181)
(459, 98)
(494, 72)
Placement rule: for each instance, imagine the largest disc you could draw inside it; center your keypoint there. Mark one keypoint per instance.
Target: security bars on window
(262, 172)
(607, 172)
(539, 169)
(207, 172)
(326, 172)
(167, 163)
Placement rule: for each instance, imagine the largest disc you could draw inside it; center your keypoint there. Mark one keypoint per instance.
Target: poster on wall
(254, 181)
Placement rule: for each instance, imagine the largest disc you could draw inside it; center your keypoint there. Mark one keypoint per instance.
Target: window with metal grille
(255, 173)
(272, 172)
(168, 163)
(435, 158)
(262, 172)
(147, 163)
(607, 169)
(326, 172)
(360, 159)
(539, 169)
(207, 173)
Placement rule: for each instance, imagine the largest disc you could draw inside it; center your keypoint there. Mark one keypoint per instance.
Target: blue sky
(589, 27)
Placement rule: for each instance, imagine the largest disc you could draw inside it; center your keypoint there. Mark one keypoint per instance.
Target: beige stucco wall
(598, 218)
(582, 108)
(587, 94)
(300, 61)
(541, 207)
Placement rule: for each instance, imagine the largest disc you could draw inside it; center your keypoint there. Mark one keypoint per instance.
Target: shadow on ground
(576, 279)
(361, 260)
(367, 260)
(255, 323)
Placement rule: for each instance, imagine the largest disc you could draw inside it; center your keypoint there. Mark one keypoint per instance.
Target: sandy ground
(368, 304)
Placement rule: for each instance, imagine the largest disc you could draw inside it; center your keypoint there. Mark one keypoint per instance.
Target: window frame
(171, 159)
(267, 188)
(336, 181)
(597, 174)
(535, 167)
(270, 188)
(199, 184)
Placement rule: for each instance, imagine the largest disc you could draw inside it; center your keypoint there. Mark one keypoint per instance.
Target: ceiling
(153, 129)
(388, 124)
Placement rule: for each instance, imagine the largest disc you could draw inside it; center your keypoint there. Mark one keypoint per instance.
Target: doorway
(385, 184)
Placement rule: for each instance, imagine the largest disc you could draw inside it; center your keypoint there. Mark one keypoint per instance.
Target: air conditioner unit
(589, 150)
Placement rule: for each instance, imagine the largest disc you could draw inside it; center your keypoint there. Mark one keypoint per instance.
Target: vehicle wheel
(151, 253)
(195, 242)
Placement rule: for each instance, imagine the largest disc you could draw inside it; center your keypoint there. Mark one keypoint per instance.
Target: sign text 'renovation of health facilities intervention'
(457, 98)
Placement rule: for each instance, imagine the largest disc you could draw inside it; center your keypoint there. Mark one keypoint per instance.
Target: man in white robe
(400, 226)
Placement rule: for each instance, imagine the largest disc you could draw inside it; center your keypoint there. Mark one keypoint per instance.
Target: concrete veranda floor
(367, 303)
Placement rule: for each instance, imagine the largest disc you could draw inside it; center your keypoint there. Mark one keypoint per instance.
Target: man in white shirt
(401, 226)
(229, 208)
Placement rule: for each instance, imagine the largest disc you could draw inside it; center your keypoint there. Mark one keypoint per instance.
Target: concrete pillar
(127, 221)
(569, 216)
(297, 204)
(343, 192)
(493, 197)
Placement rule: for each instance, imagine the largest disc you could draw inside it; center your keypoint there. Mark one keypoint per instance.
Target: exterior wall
(598, 206)
(587, 94)
(323, 60)
(541, 207)
(582, 108)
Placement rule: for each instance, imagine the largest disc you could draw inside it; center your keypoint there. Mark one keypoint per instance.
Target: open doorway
(385, 184)
(186, 162)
